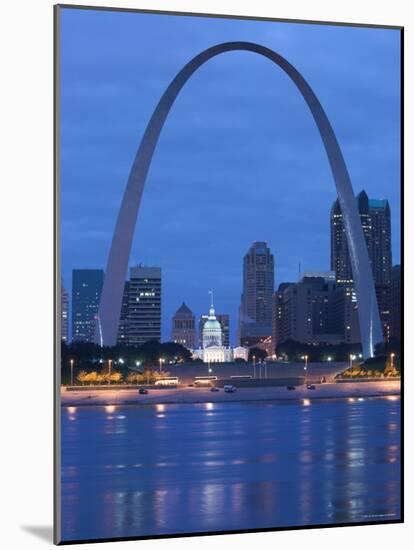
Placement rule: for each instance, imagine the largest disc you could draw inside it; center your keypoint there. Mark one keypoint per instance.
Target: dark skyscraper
(315, 310)
(375, 218)
(277, 316)
(86, 294)
(395, 321)
(64, 314)
(224, 320)
(381, 258)
(340, 260)
(183, 327)
(258, 286)
(123, 321)
(140, 319)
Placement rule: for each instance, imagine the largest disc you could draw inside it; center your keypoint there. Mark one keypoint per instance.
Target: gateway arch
(118, 259)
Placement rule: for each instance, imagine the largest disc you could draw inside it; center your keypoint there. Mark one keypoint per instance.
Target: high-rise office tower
(123, 320)
(64, 314)
(224, 320)
(183, 329)
(142, 314)
(258, 286)
(340, 260)
(315, 310)
(277, 316)
(375, 218)
(381, 258)
(395, 321)
(86, 294)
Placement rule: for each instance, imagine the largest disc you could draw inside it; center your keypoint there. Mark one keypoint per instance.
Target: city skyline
(230, 219)
(187, 234)
(369, 209)
(257, 247)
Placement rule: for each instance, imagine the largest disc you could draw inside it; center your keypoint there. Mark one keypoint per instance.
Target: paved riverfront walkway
(203, 395)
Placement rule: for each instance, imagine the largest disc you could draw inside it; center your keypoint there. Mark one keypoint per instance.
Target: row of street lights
(260, 364)
(352, 357)
(161, 361)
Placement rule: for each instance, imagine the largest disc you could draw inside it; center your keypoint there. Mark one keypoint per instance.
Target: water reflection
(245, 465)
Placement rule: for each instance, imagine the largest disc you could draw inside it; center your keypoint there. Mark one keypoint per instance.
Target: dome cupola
(212, 332)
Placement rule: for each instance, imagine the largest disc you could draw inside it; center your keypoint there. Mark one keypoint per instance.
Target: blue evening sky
(239, 159)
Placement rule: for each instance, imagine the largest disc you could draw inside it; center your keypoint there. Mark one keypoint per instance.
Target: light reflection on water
(182, 468)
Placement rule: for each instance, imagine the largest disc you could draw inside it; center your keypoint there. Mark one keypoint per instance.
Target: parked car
(213, 388)
(291, 387)
(143, 391)
(311, 387)
(229, 388)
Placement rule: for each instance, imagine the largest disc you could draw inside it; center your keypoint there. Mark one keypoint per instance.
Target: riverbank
(204, 395)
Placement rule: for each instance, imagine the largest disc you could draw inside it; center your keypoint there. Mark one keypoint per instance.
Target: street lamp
(305, 368)
(392, 360)
(329, 358)
(71, 372)
(161, 360)
(254, 366)
(110, 370)
(351, 358)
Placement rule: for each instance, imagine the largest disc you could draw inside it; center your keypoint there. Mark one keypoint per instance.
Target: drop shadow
(43, 532)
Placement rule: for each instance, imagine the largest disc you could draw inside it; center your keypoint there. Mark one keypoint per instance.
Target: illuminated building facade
(183, 327)
(255, 314)
(64, 314)
(375, 216)
(212, 348)
(140, 319)
(86, 294)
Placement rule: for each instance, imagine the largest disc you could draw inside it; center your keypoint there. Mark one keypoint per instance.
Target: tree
(93, 377)
(88, 358)
(82, 377)
(99, 378)
(294, 351)
(116, 377)
(390, 369)
(133, 378)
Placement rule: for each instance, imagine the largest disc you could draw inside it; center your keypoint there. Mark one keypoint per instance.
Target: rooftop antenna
(211, 294)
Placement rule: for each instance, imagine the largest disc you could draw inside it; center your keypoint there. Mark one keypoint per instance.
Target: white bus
(204, 380)
(167, 381)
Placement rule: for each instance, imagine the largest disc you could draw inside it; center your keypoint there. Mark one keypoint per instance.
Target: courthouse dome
(212, 331)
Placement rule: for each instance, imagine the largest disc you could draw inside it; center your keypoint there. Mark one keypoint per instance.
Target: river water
(161, 469)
